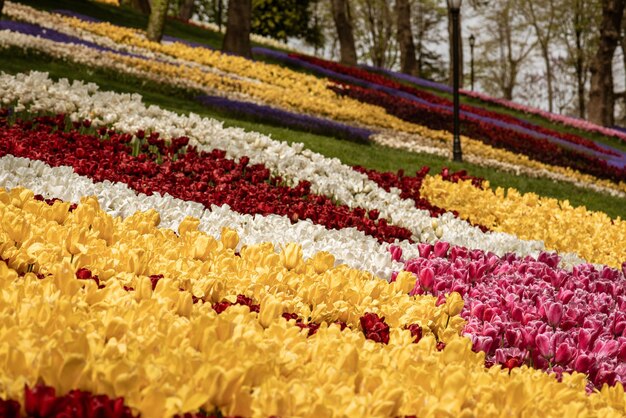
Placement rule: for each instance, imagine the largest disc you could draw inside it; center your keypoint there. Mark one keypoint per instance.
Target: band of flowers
(293, 163)
(505, 214)
(592, 235)
(376, 81)
(486, 156)
(554, 117)
(148, 315)
(525, 311)
(490, 155)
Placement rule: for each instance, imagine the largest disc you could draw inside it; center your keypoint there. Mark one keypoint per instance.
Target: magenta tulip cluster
(529, 311)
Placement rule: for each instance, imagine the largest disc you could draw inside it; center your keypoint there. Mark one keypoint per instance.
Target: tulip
(375, 328)
(554, 314)
(9, 409)
(544, 345)
(291, 256)
(427, 278)
(564, 353)
(396, 252)
(441, 249)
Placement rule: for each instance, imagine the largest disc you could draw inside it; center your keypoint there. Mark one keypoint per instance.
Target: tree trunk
(601, 96)
(142, 6)
(186, 10)
(237, 38)
(343, 23)
(156, 22)
(450, 69)
(1, 7)
(408, 63)
(580, 63)
(545, 52)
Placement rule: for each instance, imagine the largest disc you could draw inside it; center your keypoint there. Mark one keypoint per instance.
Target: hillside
(189, 233)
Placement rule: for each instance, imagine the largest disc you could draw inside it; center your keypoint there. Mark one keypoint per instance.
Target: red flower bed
(43, 402)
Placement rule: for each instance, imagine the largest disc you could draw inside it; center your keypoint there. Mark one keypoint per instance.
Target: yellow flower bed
(166, 355)
(592, 235)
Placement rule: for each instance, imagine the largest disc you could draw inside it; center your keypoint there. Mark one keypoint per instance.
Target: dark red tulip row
(491, 134)
(43, 402)
(381, 80)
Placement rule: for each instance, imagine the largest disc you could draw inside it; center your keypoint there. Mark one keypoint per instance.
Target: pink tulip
(554, 313)
(441, 248)
(396, 252)
(564, 353)
(427, 278)
(424, 250)
(544, 346)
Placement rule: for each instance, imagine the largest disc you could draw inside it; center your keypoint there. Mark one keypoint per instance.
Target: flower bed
(327, 176)
(522, 311)
(207, 178)
(553, 117)
(372, 80)
(491, 134)
(593, 235)
(308, 123)
(147, 328)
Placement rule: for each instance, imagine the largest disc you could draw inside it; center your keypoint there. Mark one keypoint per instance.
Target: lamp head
(472, 40)
(454, 4)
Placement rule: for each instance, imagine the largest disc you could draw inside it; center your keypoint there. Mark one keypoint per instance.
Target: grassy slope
(371, 156)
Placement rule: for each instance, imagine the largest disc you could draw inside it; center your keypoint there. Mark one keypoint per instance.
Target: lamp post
(472, 42)
(455, 8)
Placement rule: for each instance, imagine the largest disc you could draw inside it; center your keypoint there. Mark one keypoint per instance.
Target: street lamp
(472, 42)
(455, 7)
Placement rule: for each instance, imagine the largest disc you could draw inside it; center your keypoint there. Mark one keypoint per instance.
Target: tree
(429, 15)
(237, 37)
(375, 33)
(408, 63)
(343, 24)
(282, 19)
(543, 16)
(142, 6)
(507, 46)
(579, 34)
(156, 22)
(186, 10)
(601, 95)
